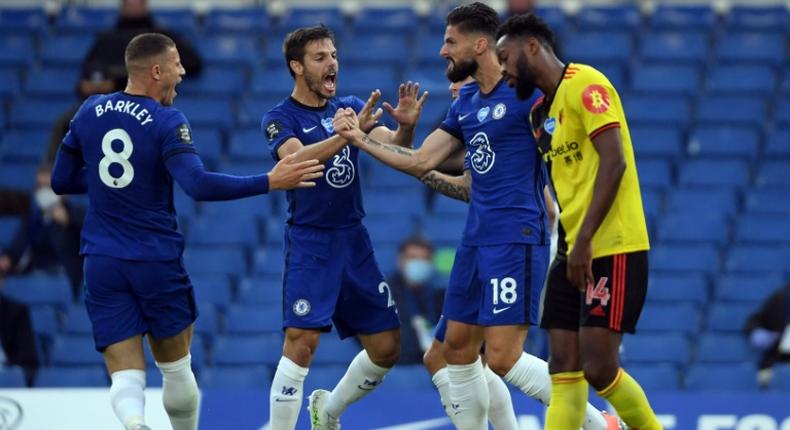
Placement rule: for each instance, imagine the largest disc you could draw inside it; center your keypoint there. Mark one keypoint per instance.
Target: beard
(460, 70)
(316, 85)
(525, 82)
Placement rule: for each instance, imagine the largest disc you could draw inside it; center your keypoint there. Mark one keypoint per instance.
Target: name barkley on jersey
(125, 106)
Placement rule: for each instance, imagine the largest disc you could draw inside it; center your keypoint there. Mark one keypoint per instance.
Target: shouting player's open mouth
(330, 80)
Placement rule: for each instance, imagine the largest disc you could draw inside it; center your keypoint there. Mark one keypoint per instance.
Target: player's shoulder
(469, 90)
(282, 109)
(353, 102)
(579, 75)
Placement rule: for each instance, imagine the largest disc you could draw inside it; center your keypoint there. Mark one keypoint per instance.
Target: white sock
(500, 406)
(442, 383)
(285, 397)
(531, 375)
(180, 393)
(468, 395)
(127, 397)
(360, 379)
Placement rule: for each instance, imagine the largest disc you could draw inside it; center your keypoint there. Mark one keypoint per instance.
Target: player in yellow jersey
(597, 285)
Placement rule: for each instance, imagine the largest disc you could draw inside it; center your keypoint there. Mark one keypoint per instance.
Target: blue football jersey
(508, 177)
(124, 141)
(336, 200)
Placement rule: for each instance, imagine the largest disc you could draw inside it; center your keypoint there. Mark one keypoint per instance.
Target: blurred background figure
(17, 341)
(419, 302)
(48, 239)
(515, 7)
(768, 330)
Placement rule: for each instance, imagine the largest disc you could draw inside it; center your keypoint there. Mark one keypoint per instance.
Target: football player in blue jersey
(331, 276)
(501, 264)
(125, 149)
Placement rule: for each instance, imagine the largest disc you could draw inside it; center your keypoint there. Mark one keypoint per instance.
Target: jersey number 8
(111, 157)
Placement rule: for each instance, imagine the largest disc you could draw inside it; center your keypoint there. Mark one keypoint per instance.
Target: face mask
(417, 271)
(46, 198)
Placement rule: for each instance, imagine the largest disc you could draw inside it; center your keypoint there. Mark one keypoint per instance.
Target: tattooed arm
(457, 187)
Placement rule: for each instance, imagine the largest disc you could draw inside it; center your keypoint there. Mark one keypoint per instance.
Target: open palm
(409, 106)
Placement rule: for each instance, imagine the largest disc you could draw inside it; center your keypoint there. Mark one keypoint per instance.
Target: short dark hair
(474, 17)
(415, 240)
(527, 25)
(147, 45)
(294, 44)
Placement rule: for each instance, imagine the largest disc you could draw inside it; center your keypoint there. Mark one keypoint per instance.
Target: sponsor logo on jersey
(341, 174)
(185, 134)
(483, 157)
(301, 307)
(273, 129)
(499, 111)
(595, 98)
(482, 114)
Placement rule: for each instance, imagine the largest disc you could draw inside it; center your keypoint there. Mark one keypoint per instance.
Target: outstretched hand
(288, 173)
(409, 106)
(367, 116)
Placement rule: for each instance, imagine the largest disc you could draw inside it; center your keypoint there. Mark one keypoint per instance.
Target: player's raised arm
(406, 113)
(416, 162)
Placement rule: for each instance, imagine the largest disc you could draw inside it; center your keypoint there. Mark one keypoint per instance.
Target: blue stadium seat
(767, 230)
(24, 145)
(207, 323)
(18, 176)
(698, 200)
(724, 173)
(75, 351)
(361, 80)
(247, 320)
(721, 377)
(45, 323)
(652, 203)
(654, 110)
(719, 110)
(86, 20)
(694, 227)
(39, 290)
(685, 258)
(760, 18)
(751, 47)
(261, 290)
(251, 110)
(10, 85)
(16, 50)
(12, 377)
(77, 321)
(249, 145)
(220, 81)
(213, 289)
(444, 230)
(274, 232)
(754, 287)
(409, 377)
(614, 71)
(756, 258)
(38, 113)
(14, 20)
(655, 173)
(652, 77)
(786, 80)
(248, 350)
(754, 80)
(554, 16)
(771, 173)
(332, 350)
(682, 17)
(383, 203)
(388, 49)
(237, 229)
(386, 256)
(656, 348)
(69, 376)
(237, 20)
(426, 52)
(182, 21)
(770, 200)
(236, 377)
(324, 376)
(673, 287)
(681, 318)
(782, 116)
(208, 142)
(302, 17)
(229, 50)
(674, 47)
(781, 378)
(269, 261)
(390, 229)
(52, 81)
(231, 261)
(724, 348)
(374, 19)
(728, 317)
(203, 112)
(386, 179)
(65, 51)
(275, 83)
(595, 47)
(656, 377)
(718, 141)
(443, 205)
(8, 228)
(607, 18)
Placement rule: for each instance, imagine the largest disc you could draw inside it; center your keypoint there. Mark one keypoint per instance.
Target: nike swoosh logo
(496, 311)
(308, 130)
(462, 117)
(364, 388)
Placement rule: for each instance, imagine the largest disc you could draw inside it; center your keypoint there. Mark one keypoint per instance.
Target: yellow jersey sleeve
(593, 95)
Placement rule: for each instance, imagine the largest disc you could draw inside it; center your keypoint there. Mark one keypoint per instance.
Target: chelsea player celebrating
(331, 275)
(124, 149)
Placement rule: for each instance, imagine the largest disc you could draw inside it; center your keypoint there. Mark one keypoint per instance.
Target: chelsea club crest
(499, 111)
(301, 307)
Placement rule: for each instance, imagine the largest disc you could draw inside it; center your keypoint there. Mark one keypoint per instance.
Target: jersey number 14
(111, 157)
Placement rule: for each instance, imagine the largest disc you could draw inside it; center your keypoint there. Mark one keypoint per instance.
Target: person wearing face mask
(419, 303)
(48, 239)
